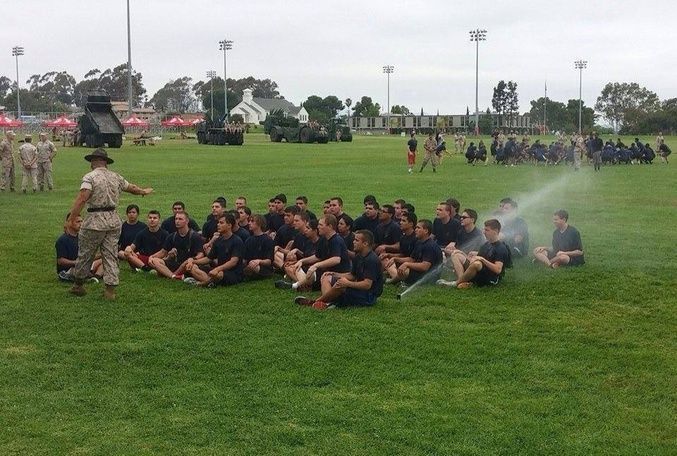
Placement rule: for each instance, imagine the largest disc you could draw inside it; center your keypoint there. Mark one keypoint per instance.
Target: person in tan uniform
(430, 147)
(46, 154)
(7, 159)
(100, 191)
(28, 156)
(579, 150)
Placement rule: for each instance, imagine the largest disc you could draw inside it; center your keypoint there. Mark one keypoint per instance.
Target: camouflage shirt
(6, 150)
(46, 151)
(105, 186)
(28, 155)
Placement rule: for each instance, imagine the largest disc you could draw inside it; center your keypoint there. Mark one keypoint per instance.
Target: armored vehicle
(219, 133)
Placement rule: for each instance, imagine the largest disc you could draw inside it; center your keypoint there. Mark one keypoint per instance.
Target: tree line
(627, 107)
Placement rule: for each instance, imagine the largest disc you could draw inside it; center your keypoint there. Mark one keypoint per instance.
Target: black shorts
(485, 277)
(429, 276)
(230, 278)
(353, 297)
(172, 264)
(265, 272)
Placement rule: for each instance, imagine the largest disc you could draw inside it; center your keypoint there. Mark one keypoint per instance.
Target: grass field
(575, 361)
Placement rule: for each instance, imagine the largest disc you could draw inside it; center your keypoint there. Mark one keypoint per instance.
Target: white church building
(254, 110)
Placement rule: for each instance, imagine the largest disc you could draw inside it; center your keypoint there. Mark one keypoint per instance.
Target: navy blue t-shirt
(148, 242)
(274, 221)
(469, 242)
(170, 226)
(285, 234)
(209, 227)
(66, 247)
(334, 247)
(365, 223)
(348, 241)
(128, 233)
(369, 267)
(428, 251)
(310, 247)
(446, 233)
(186, 246)
(388, 233)
(566, 241)
(242, 233)
(258, 248)
(407, 243)
(497, 251)
(223, 250)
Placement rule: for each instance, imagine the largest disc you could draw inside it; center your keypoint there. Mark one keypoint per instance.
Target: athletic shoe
(303, 301)
(283, 285)
(93, 280)
(177, 277)
(446, 283)
(211, 285)
(321, 305)
(65, 276)
(190, 281)
(464, 285)
(153, 272)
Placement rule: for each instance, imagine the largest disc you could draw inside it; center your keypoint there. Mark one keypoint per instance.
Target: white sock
(295, 286)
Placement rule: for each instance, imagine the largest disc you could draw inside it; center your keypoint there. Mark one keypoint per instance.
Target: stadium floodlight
(16, 52)
(477, 35)
(580, 65)
(388, 70)
(225, 45)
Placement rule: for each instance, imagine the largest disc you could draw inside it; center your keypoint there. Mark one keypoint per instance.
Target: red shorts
(143, 258)
(411, 157)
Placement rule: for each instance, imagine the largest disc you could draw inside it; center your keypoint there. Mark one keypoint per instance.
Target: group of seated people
(347, 260)
(507, 150)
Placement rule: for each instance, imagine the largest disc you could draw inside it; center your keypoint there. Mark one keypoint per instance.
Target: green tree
(397, 109)
(329, 106)
(588, 117)
(620, 101)
(512, 105)
(556, 113)
(499, 100)
(54, 86)
(486, 123)
(113, 81)
(366, 108)
(175, 96)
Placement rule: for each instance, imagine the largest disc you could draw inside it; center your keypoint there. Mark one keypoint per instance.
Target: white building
(254, 110)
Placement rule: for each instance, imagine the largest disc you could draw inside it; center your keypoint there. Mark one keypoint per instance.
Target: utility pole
(211, 74)
(388, 69)
(129, 63)
(225, 45)
(579, 65)
(477, 35)
(16, 52)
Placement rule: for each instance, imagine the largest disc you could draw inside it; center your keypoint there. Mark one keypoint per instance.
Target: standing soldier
(28, 156)
(7, 157)
(412, 144)
(430, 147)
(46, 153)
(579, 150)
(100, 191)
(659, 140)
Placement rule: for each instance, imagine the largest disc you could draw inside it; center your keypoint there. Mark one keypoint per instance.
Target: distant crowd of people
(347, 260)
(508, 150)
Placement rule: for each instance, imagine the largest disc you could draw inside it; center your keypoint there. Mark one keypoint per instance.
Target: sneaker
(283, 285)
(93, 280)
(303, 301)
(190, 281)
(177, 277)
(321, 305)
(153, 272)
(211, 285)
(137, 270)
(464, 285)
(65, 276)
(446, 283)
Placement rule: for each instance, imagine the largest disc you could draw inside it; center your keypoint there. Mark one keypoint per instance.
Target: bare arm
(136, 190)
(80, 200)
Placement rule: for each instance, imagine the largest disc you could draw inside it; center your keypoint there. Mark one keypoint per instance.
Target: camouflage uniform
(100, 229)
(7, 157)
(430, 147)
(46, 153)
(28, 155)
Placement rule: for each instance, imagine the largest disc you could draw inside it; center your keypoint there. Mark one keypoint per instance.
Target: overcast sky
(339, 48)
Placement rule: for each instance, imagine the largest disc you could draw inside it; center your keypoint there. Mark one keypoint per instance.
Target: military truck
(219, 133)
(99, 126)
(309, 133)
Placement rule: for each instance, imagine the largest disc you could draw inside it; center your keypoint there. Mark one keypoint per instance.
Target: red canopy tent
(6, 122)
(197, 121)
(134, 121)
(175, 122)
(61, 122)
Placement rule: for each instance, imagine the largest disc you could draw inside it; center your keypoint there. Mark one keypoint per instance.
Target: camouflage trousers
(432, 158)
(89, 243)
(45, 175)
(7, 174)
(29, 175)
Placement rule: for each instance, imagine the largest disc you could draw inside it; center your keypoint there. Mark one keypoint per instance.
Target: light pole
(579, 65)
(225, 45)
(388, 69)
(477, 35)
(211, 74)
(16, 52)
(129, 63)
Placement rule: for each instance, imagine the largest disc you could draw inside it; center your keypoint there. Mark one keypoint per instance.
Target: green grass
(576, 361)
